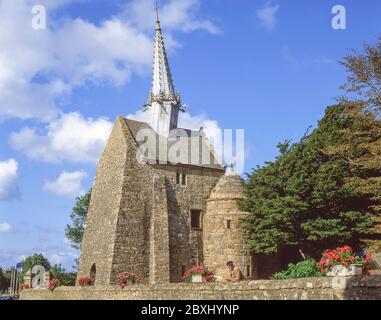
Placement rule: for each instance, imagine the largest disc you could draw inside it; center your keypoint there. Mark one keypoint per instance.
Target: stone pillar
(28, 279)
(159, 271)
(46, 278)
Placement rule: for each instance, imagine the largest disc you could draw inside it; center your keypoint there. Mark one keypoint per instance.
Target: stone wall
(186, 244)
(139, 217)
(159, 234)
(116, 238)
(368, 288)
(98, 242)
(223, 243)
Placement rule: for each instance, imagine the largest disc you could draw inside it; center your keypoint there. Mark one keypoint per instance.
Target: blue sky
(268, 67)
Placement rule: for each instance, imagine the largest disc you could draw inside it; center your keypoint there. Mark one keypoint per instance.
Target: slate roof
(192, 148)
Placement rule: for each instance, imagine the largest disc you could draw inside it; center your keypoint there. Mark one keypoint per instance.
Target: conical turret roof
(230, 186)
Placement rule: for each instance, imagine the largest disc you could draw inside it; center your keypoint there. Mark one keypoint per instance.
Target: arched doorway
(93, 273)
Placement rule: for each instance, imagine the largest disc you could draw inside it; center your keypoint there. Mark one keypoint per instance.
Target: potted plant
(52, 284)
(124, 279)
(199, 274)
(343, 261)
(85, 281)
(25, 287)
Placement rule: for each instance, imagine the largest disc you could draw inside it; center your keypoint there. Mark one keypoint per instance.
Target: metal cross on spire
(157, 12)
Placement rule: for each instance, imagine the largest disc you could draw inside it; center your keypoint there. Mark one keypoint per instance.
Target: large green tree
(36, 259)
(2, 281)
(5, 280)
(78, 216)
(363, 85)
(302, 198)
(325, 189)
(361, 144)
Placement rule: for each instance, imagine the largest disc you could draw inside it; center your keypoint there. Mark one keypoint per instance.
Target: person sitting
(234, 273)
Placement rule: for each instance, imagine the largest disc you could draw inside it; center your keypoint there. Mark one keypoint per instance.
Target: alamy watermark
(39, 17)
(192, 148)
(339, 21)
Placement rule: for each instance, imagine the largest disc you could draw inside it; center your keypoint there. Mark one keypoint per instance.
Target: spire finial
(157, 17)
(230, 170)
(157, 12)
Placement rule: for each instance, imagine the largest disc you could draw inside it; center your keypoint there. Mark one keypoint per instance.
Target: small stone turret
(224, 238)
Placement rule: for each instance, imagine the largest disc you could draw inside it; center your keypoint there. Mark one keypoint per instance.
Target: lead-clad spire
(164, 103)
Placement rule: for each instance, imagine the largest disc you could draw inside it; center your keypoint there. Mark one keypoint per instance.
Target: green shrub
(303, 269)
(65, 278)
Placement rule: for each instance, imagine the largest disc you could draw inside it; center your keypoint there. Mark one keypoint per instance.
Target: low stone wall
(357, 288)
(297, 289)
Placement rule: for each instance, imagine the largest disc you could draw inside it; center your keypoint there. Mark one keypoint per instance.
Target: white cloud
(5, 227)
(56, 253)
(25, 52)
(187, 121)
(109, 52)
(68, 184)
(297, 63)
(174, 15)
(64, 257)
(8, 180)
(54, 4)
(70, 138)
(37, 68)
(56, 259)
(268, 15)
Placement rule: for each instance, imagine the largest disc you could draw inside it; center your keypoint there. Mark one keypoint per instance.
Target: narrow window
(228, 224)
(178, 177)
(183, 179)
(196, 219)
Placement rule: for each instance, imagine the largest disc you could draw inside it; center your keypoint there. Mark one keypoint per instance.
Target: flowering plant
(206, 273)
(54, 283)
(343, 256)
(85, 281)
(125, 278)
(25, 286)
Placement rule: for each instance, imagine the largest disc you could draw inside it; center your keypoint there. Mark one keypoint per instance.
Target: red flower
(368, 257)
(206, 273)
(343, 256)
(125, 278)
(85, 281)
(54, 283)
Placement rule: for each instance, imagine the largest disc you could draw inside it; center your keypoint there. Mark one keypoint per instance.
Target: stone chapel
(154, 217)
